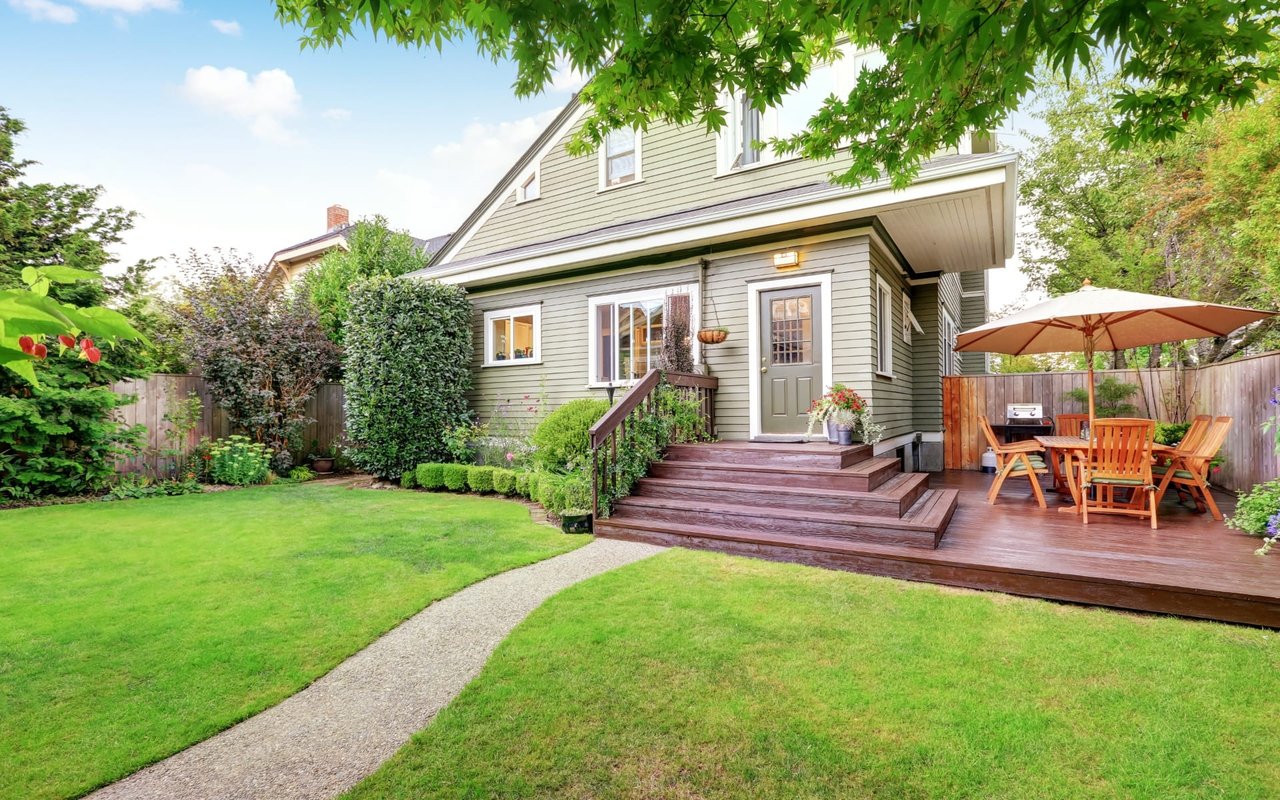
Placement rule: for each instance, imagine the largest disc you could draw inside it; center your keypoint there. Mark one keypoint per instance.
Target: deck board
(1192, 566)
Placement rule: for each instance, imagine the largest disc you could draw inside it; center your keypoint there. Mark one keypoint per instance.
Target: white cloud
(132, 6)
(338, 114)
(228, 26)
(45, 11)
(265, 101)
(565, 78)
(497, 145)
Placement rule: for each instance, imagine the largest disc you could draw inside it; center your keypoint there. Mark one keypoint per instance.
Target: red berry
(40, 351)
(86, 344)
(66, 341)
(27, 344)
(94, 354)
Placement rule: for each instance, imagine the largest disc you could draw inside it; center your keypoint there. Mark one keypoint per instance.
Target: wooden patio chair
(1016, 459)
(1069, 424)
(1188, 468)
(1119, 458)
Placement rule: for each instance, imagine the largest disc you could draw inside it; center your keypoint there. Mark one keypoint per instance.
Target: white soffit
(956, 233)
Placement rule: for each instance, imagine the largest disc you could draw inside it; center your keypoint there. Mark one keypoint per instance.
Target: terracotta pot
(712, 336)
(322, 466)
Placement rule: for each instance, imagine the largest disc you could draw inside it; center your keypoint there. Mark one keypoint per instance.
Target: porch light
(785, 259)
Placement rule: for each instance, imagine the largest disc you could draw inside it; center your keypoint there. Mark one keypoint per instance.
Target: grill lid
(1026, 411)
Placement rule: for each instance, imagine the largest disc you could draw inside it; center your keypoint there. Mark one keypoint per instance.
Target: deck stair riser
(749, 523)
(891, 499)
(864, 476)
(773, 455)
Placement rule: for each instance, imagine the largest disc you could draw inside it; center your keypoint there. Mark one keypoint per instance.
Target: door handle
(764, 369)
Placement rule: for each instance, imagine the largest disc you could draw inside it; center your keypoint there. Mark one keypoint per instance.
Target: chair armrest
(1020, 447)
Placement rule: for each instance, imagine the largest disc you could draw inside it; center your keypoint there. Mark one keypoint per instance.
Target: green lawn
(692, 675)
(131, 630)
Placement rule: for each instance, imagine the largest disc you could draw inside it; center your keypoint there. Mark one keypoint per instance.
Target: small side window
(531, 187)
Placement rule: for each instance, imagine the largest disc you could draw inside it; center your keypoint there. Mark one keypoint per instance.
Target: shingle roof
(430, 246)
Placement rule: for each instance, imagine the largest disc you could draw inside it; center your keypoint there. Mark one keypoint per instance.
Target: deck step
(813, 455)
(863, 476)
(891, 499)
(923, 526)
(664, 522)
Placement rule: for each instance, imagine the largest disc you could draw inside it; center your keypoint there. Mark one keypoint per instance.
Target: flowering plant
(846, 408)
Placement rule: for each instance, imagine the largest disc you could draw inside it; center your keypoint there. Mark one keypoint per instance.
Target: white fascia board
(285, 257)
(787, 213)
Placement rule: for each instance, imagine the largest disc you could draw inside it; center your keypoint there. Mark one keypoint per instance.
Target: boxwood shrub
(522, 484)
(409, 479)
(480, 479)
(531, 488)
(504, 481)
(560, 441)
(407, 370)
(431, 476)
(550, 493)
(455, 477)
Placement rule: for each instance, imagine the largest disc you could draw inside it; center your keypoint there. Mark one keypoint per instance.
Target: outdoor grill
(1025, 420)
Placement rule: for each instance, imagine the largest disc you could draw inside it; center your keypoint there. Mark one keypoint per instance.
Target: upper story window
(742, 142)
(620, 158)
(513, 336)
(530, 188)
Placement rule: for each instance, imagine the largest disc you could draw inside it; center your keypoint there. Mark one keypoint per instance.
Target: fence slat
(156, 392)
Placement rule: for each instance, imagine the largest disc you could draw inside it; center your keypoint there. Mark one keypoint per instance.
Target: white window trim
(642, 295)
(884, 335)
(602, 184)
(821, 280)
(949, 343)
(535, 173)
(535, 311)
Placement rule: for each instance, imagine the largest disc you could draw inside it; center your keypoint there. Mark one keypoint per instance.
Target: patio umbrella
(1092, 319)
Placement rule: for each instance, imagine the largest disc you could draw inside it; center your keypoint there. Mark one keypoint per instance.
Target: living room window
(627, 332)
(620, 158)
(513, 336)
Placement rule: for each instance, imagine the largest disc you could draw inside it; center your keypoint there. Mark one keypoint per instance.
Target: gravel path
(323, 740)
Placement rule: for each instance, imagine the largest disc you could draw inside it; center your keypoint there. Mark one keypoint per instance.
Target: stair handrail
(610, 430)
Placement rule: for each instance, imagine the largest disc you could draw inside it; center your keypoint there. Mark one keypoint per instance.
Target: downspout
(703, 264)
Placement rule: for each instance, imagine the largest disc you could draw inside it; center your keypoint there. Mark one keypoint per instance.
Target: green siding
(892, 397)
(973, 312)
(927, 351)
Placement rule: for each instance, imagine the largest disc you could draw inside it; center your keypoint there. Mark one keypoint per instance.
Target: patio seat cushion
(1118, 481)
(1036, 464)
(1177, 473)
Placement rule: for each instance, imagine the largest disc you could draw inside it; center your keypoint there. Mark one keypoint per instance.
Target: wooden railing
(617, 430)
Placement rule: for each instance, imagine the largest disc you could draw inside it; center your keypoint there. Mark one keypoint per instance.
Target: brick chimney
(336, 217)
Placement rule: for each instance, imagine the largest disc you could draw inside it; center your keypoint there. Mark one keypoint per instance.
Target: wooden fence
(1240, 389)
(156, 393)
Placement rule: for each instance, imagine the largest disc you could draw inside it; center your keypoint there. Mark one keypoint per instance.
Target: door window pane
(791, 330)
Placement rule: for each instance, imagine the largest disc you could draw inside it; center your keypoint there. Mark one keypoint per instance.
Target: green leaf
(61, 274)
(29, 275)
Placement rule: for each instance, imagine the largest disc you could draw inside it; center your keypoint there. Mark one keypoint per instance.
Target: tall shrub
(561, 441)
(407, 371)
(262, 354)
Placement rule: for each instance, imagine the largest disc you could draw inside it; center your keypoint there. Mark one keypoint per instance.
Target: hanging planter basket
(712, 335)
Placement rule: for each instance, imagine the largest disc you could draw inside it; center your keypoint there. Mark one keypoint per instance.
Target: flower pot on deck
(833, 433)
(844, 436)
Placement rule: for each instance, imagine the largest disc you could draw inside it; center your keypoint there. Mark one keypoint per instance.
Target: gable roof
(549, 136)
(341, 235)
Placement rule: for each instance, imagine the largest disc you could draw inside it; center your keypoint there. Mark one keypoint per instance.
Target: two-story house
(568, 262)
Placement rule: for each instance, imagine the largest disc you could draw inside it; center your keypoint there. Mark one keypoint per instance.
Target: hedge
(455, 477)
(480, 479)
(504, 481)
(409, 479)
(431, 476)
(531, 491)
(407, 370)
(522, 484)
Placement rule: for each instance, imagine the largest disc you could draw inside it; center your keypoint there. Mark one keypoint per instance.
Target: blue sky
(209, 120)
(233, 136)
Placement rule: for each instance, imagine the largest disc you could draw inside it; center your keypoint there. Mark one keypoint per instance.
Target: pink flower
(511, 457)
(526, 397)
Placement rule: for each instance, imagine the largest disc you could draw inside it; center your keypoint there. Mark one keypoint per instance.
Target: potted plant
(838, 397)
(322, 459)
(715, 335)
(575, 520)
(845, 421)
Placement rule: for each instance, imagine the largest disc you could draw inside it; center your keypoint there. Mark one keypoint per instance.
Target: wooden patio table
(1073, 447)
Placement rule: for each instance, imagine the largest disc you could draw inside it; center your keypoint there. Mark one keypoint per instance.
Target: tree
(53, 246)
(374, 251)
(951, 66)
(262, 354)
(407, 369)
(1191, 218)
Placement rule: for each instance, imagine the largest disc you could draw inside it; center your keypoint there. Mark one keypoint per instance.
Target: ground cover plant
(696, 675)
(135, 629)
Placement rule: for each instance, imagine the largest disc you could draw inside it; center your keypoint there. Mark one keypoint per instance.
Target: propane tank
(989, 461)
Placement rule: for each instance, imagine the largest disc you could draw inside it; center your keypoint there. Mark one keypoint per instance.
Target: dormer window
(530, 188)
(620, 158)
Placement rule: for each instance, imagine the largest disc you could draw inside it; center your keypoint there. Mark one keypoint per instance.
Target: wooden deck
(1192, 566)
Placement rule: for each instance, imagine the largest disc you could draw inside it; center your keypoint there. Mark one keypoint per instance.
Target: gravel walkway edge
(326, 738)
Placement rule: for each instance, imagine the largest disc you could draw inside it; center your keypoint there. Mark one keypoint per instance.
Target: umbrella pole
(1088, 354)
